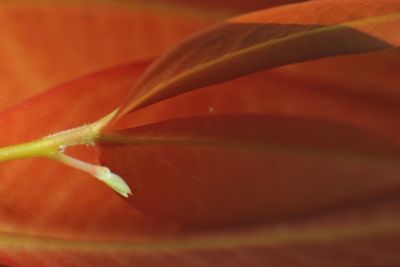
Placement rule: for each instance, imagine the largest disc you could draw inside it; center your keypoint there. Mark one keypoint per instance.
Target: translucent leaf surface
(330, 142)
(238, 168)
(55, 216)
(363, 236)
(359, 90)
(267, 39)
(44, 43)
(234, 5)
(39, 196)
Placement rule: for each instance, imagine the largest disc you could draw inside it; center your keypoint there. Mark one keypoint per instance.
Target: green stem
(53, 147)
(38, 148)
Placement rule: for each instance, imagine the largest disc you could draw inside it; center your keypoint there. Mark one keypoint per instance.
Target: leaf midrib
(340, 155)
(281, 236)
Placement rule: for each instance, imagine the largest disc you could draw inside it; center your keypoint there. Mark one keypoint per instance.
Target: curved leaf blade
(359, 237)
(44, 223)
(221, 170)
(359, 90)
(259, 41)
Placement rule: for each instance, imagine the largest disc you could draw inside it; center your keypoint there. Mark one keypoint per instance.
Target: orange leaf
(238, 168)
(45, 44)
(39, 196)
(55, 216)
(358, 237)
(359, 90)
(268, 39)
(238, 5)
(46, 222)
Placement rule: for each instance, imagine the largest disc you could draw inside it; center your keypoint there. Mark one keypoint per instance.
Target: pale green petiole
(53, 147)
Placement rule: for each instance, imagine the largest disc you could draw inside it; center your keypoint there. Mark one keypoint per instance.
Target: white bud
(100, 172)
(113, 180)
